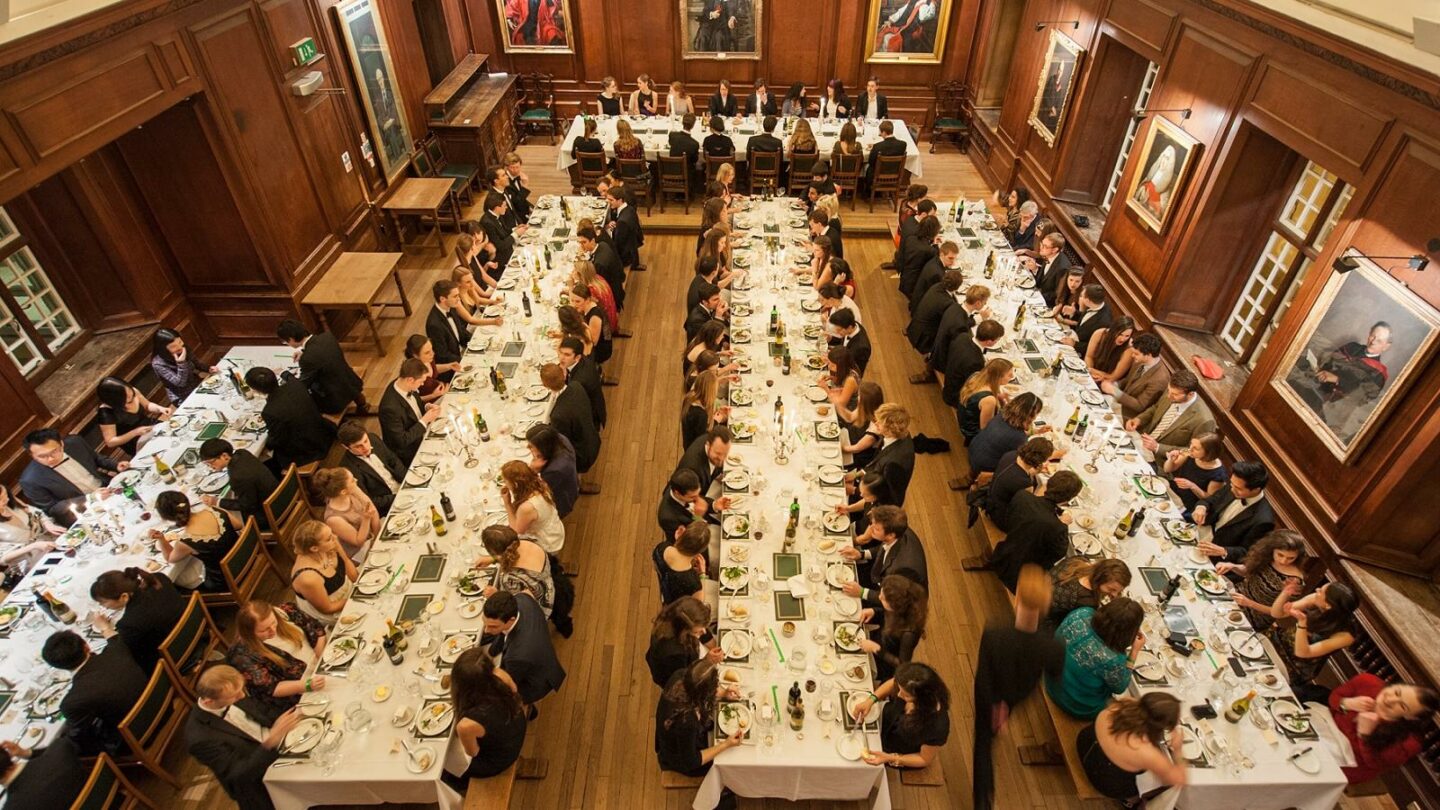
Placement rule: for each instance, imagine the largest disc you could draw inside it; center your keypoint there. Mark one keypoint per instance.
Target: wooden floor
(596, 732)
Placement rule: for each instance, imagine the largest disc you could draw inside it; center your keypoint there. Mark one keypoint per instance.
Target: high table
(111, 534)
(654, 133)
(411, 574)
(1246, 766)
(779, 456)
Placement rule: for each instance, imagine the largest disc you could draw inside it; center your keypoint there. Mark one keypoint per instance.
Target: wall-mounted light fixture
(1141, 112)
(1417, 262)
(1074, 24)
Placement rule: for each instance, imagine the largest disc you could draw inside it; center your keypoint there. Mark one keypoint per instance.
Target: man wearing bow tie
(236, 737)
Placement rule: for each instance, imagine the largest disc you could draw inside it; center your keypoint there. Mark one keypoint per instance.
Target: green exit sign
(304, 51)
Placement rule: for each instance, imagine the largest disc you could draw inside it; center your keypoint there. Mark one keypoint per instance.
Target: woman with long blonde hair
(531, 507)
(322, 575)
(473, 252)
(698, 411)
(627, 146)
(472, 299)
(862, 440)
(274, 646)
(802, 140)
(982, 395)
(678, 102)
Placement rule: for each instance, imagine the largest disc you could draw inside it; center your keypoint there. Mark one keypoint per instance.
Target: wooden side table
(420, 197)
(355, 282)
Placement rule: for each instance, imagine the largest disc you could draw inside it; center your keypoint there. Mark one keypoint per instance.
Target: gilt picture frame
(369, 51)
(1055, 85)
(908, 32)
(721, 29)
(1163, 169)
(1361, 344)
(545, 28)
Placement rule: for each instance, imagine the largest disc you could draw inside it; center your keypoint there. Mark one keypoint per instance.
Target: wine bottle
(1238, 709)
(495, 379)
(795, 509)
(785, 359)
(797, 708)
(1170, 588)
(990, 265)
(1136, 521)
(58, 610)
(779, 410)
(774, 321)
(547, 256)
(128, 490)
(163, 470)
(480, 426)
(535, 283)
(500, 383)
(438, 521)
(525, 303)
(1083, 426)
(1019, 319)
(1122, 529)
(1056, 364)
(447, 507)
(1073, 423)
(392, 650)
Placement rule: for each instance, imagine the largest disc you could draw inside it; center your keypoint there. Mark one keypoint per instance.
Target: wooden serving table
(472, 113)
(421, 197)
(354, 282)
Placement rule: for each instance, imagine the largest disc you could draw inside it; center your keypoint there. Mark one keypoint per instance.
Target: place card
(429, 568)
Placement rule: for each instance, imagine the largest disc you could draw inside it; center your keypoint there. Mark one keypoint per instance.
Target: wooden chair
(536, 105)
(714, 162)
(150, 727)
(108, 789)
(950, 117)
(846, 173)
(459, 188)
(801, 172)
(886, 182)
(195, 640)
(436, 152)
(674, 179)
(638, 171)
(592, 168)
(764, 170)
(287, 507)
(244, 567)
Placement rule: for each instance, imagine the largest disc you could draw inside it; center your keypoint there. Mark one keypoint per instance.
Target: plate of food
(340, 651)
(827, 545)
(434, 719)
(734, 717)
(736, 644)
(1179, 530)
(742, 310)
(419, 476)
(1210, 582)
(470, 609)
(740, 335)
(741, 397)
(419, 758)
(744, 365)
(1152, 485)
(816, 394)
(1148, 666)
(734, 577)
(371, 582)
(827, 430)
(848, 636)
(1270, 680)
(1234, 618)
(742, 430)
(737, 525)
(537, 393)
(847, 606)
(401, 523)
(1073, 363)
(737, 479)
(8, 615)
(1054, 335)
(463, 383)
(814, 362)
(1289, 715)
(349, 621)
(1092, 397)
(839, 574)
(49, 699)
(1086, 543)
(737, 611)
(382, 693)
(305, 736)
(836, 522)
(470, 584)
(855, 672)
(830, 474)
(738, 552)
(1119, 438)
(812, 332)
(810, 305)
(453, 646)
(1246, 644)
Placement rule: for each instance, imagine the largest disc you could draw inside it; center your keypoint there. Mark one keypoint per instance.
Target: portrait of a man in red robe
(537, 23)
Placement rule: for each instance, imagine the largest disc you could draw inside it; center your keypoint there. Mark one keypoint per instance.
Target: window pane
(37, 298)
(1334, 217)
(1280, 311)
(1266, 280)
(7, 228)
(1141, 99)
(1309, 194)
(17, 344)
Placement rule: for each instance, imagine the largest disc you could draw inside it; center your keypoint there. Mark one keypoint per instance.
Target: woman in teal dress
(1100, 646)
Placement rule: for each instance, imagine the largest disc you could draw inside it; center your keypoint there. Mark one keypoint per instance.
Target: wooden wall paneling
(1338, 132)
(1142, 25)
(996, 29)
(1101, 108)
(402, 33)
(23, 412)
(63, 115)
(457, 27)
(351, 111)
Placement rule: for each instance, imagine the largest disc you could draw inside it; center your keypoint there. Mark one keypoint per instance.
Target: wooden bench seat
(932, 775)
(492, 793)
(992, 533)
(1062, 749)
(674, 780)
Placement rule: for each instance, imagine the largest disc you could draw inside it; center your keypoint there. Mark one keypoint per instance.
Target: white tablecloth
(654, 132)
(1108, 471)
(803, 765)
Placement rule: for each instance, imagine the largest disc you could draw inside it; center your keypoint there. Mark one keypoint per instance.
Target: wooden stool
(674, 780)
(932, 775)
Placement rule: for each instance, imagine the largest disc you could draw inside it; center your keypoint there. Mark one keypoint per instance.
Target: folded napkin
(799, 587)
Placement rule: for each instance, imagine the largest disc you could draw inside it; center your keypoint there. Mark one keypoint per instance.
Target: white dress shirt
(409, 398)
(1235, 507)
(75, 472)
(236, 716)
(374, 463)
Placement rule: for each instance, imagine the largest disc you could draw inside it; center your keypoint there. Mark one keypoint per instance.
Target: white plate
(402, 716)
(816, 394)
(349, 621)
(1073, 363)
(830, 451)
(214, 482)
(1190, 747)
(382, 693)
(1085, 542)
(304, 736)
(470, 584)
(471, 609)
(419, 476)
(856, 635)
(401, 523)
(537, 393)
(434, 718)
(736, 581)
(455, 645)
(1289, 715)
(1246, 644)
(1235, 618)
(1214, 587)
(1119, 438)
(836, 522)
(737, 479)
(421, 760)
(372, 581)
(831, 474)
(1148, 666)
(736, 524)
(850, 746)
(1309, 762)
(340, 651)
(839, 574)
(827, 430)
(738, 553)
(1054, 335)
(1090, 397)
(740, 335)
(1153, 485)
(742, 430)
(405, 500)
(48, 701)
(741, 397)
(378, 557)
(737, 611)
(737, 718)
(736, 643)
(847, 606)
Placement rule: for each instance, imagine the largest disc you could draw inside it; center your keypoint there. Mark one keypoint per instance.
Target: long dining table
(1276, 756)
(783, 623)
(654, 133)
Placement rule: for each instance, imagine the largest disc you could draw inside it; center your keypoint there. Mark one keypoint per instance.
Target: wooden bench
(494, 793)
(993, 534)
(932, 775)
(674, 780)
(1062, 749)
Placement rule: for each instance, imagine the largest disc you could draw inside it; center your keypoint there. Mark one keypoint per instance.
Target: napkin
(799, 587)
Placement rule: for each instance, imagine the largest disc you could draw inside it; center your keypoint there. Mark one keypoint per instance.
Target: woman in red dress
(1383, 723)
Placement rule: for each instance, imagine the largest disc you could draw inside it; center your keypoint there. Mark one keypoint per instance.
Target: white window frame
(1147, 86)
(22, 312)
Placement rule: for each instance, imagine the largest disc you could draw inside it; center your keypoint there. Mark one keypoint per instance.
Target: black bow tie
(498, 646)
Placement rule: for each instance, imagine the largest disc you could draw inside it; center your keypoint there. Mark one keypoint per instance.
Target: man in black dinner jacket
(323, 368)
(62, 472)
(683, 143)
(607, 262)
(706, 457)
(766, 140)
(297, 432)
(52, 776)
(235, 736)
(517, 196)
(822, 225)
(717, 143)
(948, 258)
(625, 230)
(899, 552)
(581, 369)
(448, 334)
(251, 482)
(570, 414)
(377, 470)
(497, 231)
(711, 307)
(1037, 535)
(925, 323)
(104, 688)
(965, 356)
(517, 635)
(1050, 266)
(889, 145)
(722, 103)
(680, 504)
(1095, 315)
(872, 103)
(908, 228)
(1239, 514)
(761, 102)
(851, 334)
(403, 417)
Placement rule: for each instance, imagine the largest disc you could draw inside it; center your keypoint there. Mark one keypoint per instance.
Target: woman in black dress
(863, 437)
(588, 142)
(200, 532)
(684, 717)
(698, 411)
(1271, 564)
(679, 637)
(1080, 582)
(916, 723)
(1130, 737)
(490, 718)
(125, 416)
(893, 644)
(152, 608)
(681, 563)
(1323, 625)
(608, 102)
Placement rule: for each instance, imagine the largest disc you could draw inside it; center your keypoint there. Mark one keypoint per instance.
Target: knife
(1302, 752)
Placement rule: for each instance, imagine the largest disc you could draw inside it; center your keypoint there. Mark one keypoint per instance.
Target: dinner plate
(828, 545)
(743, 364)
(405, 500)
(733, 717)
(349, 621)
(737, 479)
(738, 552)
(850, 746)
(737, 611)
(830, 474)
(131, 477)
(1289, 715)
(742, 310)
(1190, 746)
(1148, 666)
(1198, 556)
(378, 557)
(470, 584)
(1308, 761)
(463, 383)
(1153, 485)
(372, 581)
(453, 646)
(305, 736)
(471, 609)
(741, 397)
(48, 702)
(1090, 397)
(1073, 363)
(1210, 582)
(401, 523)
(420, 758)
(382, 693)
(830, 451)
(815, 362)
(1246, 644)
(1054, 335)
(836, 522)
(839, 574)
(535, 410)
(810, 305)
(419, 476)
(506, 283)
(1027, 283)
(740, 335)
(827, 430)
(816, 394)
(1235, 618)
(1179, 531)
(855, 673)
(537, 393)
(736, 643)
(737, 524)
(340, 651)
(847, 606)
(848, 636)
(1119, 438)
(9, 614)
(313, 704)
(434, 718)
(214, 482)
(734, 577)
(811, 332)
(1086, 543)
(494, 310)
(742, 430)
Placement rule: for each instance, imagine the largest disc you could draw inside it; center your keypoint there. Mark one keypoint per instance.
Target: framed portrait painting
(1159, 179)
(1056, 82)
(1359, 347)
(907, 31)
(536, 26)
(720, 29)
(375, 74)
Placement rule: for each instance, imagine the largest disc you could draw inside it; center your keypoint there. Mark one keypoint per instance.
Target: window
(1141, 99)
(1297, 237)
(34, 322)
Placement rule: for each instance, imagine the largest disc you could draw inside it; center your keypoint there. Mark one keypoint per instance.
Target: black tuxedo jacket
(499, 234)
(587, 375)
(672, 515)
(51, 492)
(609, 267)
(859, 346)
(683, 143)
(955, 320)
(925, 323)
(1051, 276)
(837, 241)
(572, 417)
(753, 106)
(518, 197)
(698, 317)
(298, 433)
(717, 144)
(722, 106)
(895, 463)
(1087, 328)
(401, 428)
(916, 253)
(628, 236)
(238, 760)
(695, 460)
(764, 142)
(882, 106)
(251, 482)
(928, 277)
(528, 656)
(963, 358)
(887, 146)
(325, 371)
(53, 777)
(370, 481)
(1036, 536)
(906, 556)
(449, 343)
(105, 688)
(149, 617)
(1237, 536)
